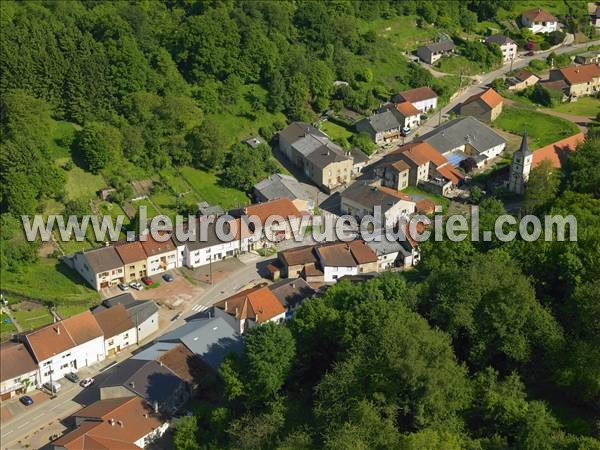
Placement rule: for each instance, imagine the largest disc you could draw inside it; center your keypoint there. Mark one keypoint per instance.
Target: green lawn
(585, 106)
(65, 311)
(62, 135)
(151, 211)
(206, 185)
(34, 318)
(437, 199)
(402, 32)
(456, 64)
(174, 181)
(81, 184)
(49, 280)
(113, 210)
(542, 129)
(335, 131)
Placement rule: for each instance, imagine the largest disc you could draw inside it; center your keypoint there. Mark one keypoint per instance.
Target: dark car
(26, 400)
(147, 281)
(529, 54)
(168, 277)
(72, 377)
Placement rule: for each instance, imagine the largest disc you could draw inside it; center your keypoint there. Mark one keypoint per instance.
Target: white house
(162, 254)
(424, 98)
(101, 267)
(539, 21)
(339, 259)
(118, 328)
(19, 373)
(143, 314)
(249, 308)
(362, 199)
(66, 346)
(506, 44)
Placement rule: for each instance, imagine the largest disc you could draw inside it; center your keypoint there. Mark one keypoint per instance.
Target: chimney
(132, 385)
(57, 329)
(111, 422)
(156, 407)
(225, 305)
(293, 285)
(120, 423)
(146, 415)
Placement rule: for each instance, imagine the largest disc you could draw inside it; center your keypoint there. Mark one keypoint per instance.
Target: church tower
(520, 167)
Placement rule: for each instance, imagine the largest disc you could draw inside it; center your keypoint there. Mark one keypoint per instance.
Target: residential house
(127, 423)
(384, 126)
(292, 293)
(581, 80)
(277, 218)
(19, 373)
(339, 259)
(395, 175)
(250, 307)
(295, 261)
(591, 57)
(465, 138)
(143, 313)
(210, 338)
(134, 260)
(485, 106)
(66, 346)
(164, 375)
(101, 267)
(539, 21)
(559, 87)
(506, 44)
(161, 254)
(363, 198)
(423, 99)
(434, 52)
(118, 328)
(521, 79)
(387, 251)
(410, 116)
(324, 162)
(279, 186)
(203, 246)
(360, 160)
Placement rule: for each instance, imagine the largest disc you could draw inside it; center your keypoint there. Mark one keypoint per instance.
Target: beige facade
(587, 88)
(336, 174)
(135, 271)
(481, 111)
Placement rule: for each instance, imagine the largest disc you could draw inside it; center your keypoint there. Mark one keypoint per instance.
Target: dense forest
(483, 346)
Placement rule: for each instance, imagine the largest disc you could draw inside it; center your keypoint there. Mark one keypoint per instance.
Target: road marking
(6, 434)
(22, 426)
(199, 308)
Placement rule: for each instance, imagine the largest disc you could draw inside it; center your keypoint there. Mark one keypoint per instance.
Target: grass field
(585, 106)
(34, 318)
(206, 185)
(151, 211)
(542, 129)
(335, 131)
(419, 193)
(65, 311)
(62, 135)
(402, 32)
(49, 280)
(454, 65)
(81, 184)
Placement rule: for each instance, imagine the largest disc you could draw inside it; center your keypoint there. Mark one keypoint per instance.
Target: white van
(52, 386)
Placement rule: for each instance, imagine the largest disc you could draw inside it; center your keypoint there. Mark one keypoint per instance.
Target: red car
(147, 281)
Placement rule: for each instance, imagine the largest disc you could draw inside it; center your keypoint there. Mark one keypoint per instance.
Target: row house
(118, 329)
(424, 99)
(135, 260)
(289, 219)
(161, 253)
(66, 346)
(101, 267)
(142, 313)
(19, 372)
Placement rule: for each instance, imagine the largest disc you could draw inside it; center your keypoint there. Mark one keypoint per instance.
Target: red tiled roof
(394, 192)
(422, 152)
(283, 207)
(259, 304)
(152, 247)
(523, 75)
(114, 320)
(131, 252)
(15, 360)
(418, 94)
(407, 109)
(451, 173)
(362, 253)
(489, 97)
(539, 15)
(425, 206)
(557, 151)
(580, 74)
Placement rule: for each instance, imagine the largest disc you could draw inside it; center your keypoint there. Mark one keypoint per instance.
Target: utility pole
(210, 268)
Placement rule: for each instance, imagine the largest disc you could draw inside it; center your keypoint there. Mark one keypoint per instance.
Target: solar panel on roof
(455, 158)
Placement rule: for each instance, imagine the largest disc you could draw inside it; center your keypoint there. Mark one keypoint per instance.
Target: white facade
(426, 105)
(144, 441)
(509, 51)
(494, 151)
(241, 325)
(162, 262)
(97, 280)
(72, 360)
(332, 273)
(147, 327)
(115, 344)
(202, 256)
(539, 27)
(19, 385)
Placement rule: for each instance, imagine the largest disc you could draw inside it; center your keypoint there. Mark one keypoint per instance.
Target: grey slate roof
(103, 259)
(359, 156)
(379, 122)
(292, 292)
(280, 186)
(198, 241)
(442, 46)
(204, 209)
(368, 196)
(297, 130)
(499, 39)
(152, 352)
(210, 338)
(138, 310)
(384, 246)
(460, 131)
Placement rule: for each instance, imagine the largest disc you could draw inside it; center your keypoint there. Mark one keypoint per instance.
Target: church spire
(524, 149)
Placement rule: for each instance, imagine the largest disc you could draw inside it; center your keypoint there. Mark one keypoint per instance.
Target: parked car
(135, 285)
(529, 53)
(72, 377)
(405, 131)
(53, 386)
(168, 277)
(86, 382)
(147, 281)
(26, 400)
(123, 286)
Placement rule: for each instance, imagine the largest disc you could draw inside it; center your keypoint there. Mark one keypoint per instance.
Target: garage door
(104, 284)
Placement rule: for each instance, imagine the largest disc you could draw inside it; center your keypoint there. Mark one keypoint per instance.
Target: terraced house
(100, 267)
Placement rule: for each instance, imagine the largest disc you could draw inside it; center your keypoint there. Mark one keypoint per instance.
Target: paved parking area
(220, 270)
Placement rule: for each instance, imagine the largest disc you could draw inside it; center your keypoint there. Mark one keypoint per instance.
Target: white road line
(6, 434)
(199, 308)
(23, 425)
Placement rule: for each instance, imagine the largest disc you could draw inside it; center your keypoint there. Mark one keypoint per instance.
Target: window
(132, 267)
(111, 342)
(126, 335)
(64, 366)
